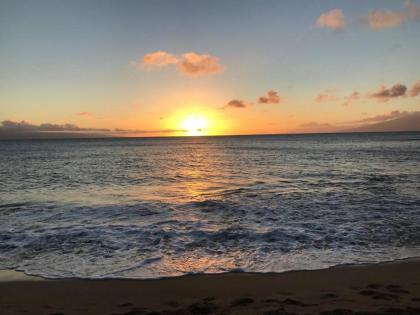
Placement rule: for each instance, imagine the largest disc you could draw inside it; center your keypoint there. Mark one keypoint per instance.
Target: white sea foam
(149, 208)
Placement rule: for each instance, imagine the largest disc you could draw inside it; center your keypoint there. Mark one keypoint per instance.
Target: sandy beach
(386, 288)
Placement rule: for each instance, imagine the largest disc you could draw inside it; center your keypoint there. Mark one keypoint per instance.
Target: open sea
(163, 207)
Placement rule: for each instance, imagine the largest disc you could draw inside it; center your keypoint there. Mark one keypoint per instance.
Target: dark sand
(388, 288)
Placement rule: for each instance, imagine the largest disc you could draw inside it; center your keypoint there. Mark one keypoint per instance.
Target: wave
(148, 240)
(150, 208)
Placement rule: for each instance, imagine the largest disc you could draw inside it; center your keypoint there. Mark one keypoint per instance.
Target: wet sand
(387, 288)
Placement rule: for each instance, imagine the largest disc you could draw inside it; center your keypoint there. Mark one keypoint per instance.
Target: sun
(195, 125)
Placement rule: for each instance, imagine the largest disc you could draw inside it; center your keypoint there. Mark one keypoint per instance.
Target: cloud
(235, 104)
(415, 89)
(316, 127)
(194, 64)
(14, 125)
(190, 63)
(272, 97)
(23, 129)
(375, 20)
(385, 94)
(84, 114)
(313, 124)
(393, 121)
(9, 125)
(138, 131)
(384, 117)
(330, 96)
(65, 127)
(333, 20)
(325, 97)
(25, 126)
(352, 98)
(378, 19)
(382, 19)
(158, 59)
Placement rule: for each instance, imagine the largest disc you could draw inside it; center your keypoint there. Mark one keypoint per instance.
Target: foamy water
(148, 208)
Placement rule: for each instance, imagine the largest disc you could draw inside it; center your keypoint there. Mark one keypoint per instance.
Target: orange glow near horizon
(197, 121)
(195, 125)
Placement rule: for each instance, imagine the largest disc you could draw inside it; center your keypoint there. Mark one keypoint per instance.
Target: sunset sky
(214, 67)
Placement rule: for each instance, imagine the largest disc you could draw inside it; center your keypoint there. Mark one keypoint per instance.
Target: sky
(167, 67)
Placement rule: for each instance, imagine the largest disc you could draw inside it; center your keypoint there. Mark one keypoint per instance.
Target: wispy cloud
(325, 97)
(313, 124)
(45, 127)
(189, 64)
(415, 89)
(365, 124)
(333, 19)
(384, 117)
(351, 98)
(158, 59)
(84, 114)
(393, 121)
(380, 19)
(272, 97)
(385, 94)
(235, 104)
(375, 20)
(14, 128)
(382, 94)
(316, 127)
(119, 131)
(194, 64)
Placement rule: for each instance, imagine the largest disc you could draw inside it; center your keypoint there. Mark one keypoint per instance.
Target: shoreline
(380, 288)
(11, 274)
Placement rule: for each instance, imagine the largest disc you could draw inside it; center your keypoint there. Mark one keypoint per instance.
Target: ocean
(164, 207)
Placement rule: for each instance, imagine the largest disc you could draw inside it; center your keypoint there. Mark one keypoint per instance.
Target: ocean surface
(162, 207)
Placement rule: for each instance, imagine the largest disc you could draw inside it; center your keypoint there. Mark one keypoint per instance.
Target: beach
(210, 157)
(384, 288)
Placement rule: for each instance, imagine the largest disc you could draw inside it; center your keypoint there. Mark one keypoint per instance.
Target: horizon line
(102, 137)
